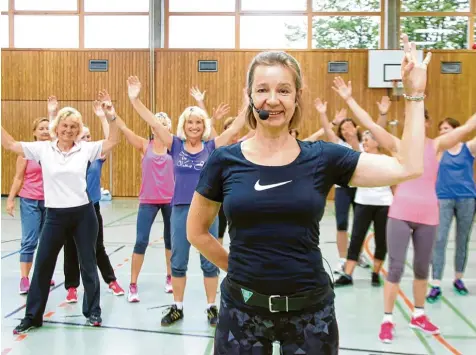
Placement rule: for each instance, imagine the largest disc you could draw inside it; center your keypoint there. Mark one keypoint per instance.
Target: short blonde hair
(64, 113)
(37, 122)
(164, 118)
(196, 111)
(271, 59)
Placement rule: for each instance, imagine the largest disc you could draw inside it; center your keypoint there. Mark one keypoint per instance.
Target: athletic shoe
(94, 320)
(387, 330)
(168, 284)
(434, 295)
(24, 285)
(133, 295)
(344, 280)
(115, 289)
(423, 323)
(339, 268)
(460, 288)
(173, 315)
(363, 262)
(72, 296)
(212, 315)
(25, 326)
(376, 282)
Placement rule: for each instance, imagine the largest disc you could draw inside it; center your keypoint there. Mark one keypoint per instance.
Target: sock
(435, 283)
(342, 260)
(419, 311)
(387, 317)
(179, 305)
(210, 305)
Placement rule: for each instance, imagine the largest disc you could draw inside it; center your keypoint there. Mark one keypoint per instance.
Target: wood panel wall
(29, 77)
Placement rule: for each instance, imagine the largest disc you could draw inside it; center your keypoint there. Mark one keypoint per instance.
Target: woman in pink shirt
(413, 214)
(155, 195)
(28, 185)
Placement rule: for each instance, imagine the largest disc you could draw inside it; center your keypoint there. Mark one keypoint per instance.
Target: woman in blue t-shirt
(273, 189)
(190, 150)
(456, 193)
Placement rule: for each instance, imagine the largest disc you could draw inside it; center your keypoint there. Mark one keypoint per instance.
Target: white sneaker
(339, 268)
(133, 295)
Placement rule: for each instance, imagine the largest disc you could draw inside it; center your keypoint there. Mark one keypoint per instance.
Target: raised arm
(134, 87)
(457, 135)
(16, 184)
(382, 170)
(136, 141)
(218, 114)
(52, 107)
(102, 116)
(384, 139)
(321, 107)
(11, 144)
(113, 139)
(472, 146)
(199, 97)
(226, 137)
(383, 107)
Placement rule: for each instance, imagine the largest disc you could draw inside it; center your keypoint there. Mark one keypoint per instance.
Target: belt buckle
(270, 304)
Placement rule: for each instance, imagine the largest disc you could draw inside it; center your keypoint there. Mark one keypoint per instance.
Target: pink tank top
(158, 180)
(32, 182)
(415, 200)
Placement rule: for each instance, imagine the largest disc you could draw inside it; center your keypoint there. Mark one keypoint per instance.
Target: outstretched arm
(321, 107)
(457, 135)
(16, 185)
(381, 170)
(113, 138)
(134, 87)
(11, 144)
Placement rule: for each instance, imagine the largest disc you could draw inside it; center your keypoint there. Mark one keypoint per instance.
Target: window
(273, 32)
(52, 5)
(43, 31)
(4, 31)
(116, 31)
(347, 5)
(437, 32)
(274, 5)
(435, 5)
(201, 5)
(202, 32)
(346, 32)
(4, 5)
(116, 6)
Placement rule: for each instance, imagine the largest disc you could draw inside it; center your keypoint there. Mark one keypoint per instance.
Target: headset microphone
(263, 114)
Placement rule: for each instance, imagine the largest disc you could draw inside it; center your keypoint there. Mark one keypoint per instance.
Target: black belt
(277, 303)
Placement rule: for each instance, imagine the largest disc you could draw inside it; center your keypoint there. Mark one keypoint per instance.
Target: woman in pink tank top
(155, 194)
(28, 185)
(413, 214)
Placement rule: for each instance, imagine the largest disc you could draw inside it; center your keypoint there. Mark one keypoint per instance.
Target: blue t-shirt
(187, 169)
(456, 175)
(93, 179)
(274, 213)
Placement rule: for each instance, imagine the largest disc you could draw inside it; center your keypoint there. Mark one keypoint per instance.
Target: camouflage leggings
(240, 333)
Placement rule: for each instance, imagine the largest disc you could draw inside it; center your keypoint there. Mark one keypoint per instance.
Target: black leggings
(60, 224)
(71, 263)
(364, 215)
(306, 332)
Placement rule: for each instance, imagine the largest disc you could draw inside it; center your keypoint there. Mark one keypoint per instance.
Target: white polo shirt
(64, 173)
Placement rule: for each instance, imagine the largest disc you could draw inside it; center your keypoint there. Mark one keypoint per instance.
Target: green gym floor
(130, 329)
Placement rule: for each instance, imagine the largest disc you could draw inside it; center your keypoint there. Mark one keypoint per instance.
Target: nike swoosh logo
(259, 187)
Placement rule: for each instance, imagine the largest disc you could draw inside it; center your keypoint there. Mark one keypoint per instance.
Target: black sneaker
(434, 295)
(376, 279)
(25, 326)
(212, 315)
(173, 315)
(460, 288)
(344, 280)
(94, 320)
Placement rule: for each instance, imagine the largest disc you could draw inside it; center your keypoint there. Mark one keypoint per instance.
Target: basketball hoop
(397, 88)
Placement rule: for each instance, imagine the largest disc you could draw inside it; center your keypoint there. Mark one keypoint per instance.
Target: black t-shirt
(274, 213)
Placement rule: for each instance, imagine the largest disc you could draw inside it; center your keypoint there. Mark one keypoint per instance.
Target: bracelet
(414, 98)
(113, 118)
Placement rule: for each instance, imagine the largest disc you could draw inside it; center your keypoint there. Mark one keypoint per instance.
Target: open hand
(133, 87)
(345, 91)
(414, 74)
(52, 104)
(10, 207)
(384, 105)
(320, 106)
(197, 94)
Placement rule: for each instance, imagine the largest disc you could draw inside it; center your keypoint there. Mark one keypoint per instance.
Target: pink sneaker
(133, 295)
(24, 285)
(387, 330)
(168, 284)
(72, 296)
(423, 323)
(116, 289)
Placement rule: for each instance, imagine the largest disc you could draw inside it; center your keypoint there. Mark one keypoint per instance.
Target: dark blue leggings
(343, 199)
(307, 332)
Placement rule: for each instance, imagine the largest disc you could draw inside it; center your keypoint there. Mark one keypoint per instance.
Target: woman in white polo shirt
(69, 210)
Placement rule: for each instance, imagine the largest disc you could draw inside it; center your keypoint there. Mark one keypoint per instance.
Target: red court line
(409, 304)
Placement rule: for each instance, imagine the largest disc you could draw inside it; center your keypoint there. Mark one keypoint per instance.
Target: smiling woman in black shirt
(273, 189)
